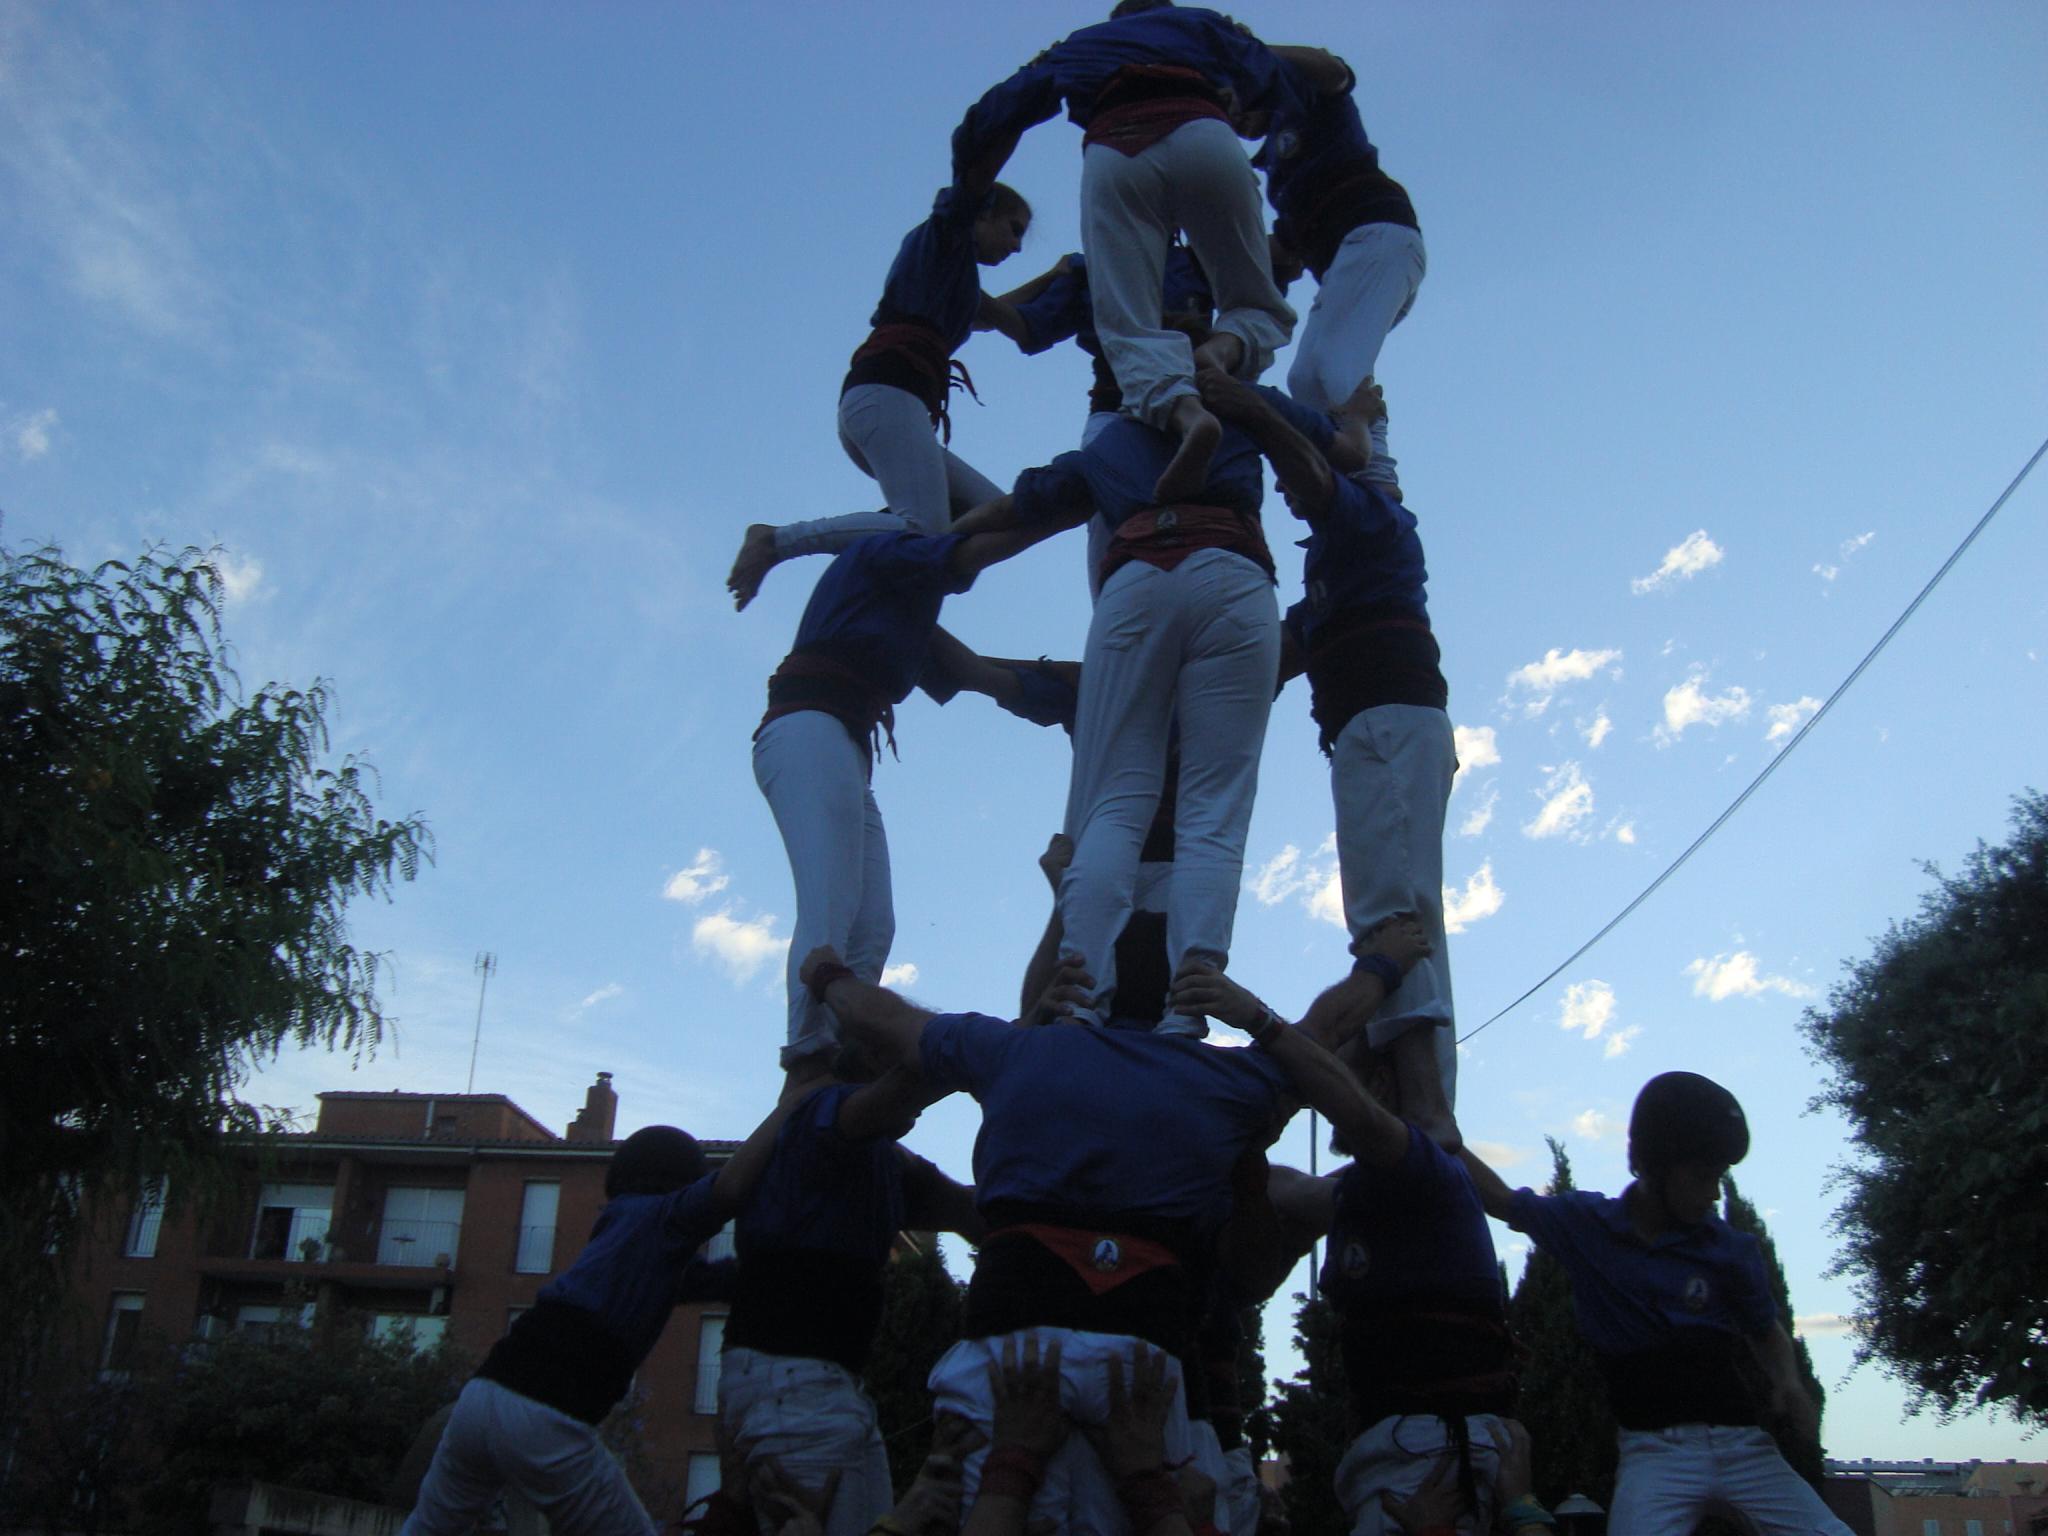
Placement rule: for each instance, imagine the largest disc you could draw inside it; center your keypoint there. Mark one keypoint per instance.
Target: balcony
(416, 1244)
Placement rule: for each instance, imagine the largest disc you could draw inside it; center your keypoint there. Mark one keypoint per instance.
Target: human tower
(1123, 1208)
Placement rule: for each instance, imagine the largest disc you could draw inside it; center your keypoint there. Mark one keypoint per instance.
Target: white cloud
(1850, 546)
(32, 433)
(903, 974)
(1567, 801)
(1277, 878)
(1823, 1325)
(1480, 817)
(1787, 718)
(603, 994)
(1596, 1126)
(1476, 747)
(1736, 975)
(1598, 731)
(1587, 1007)
(741, 946)
(1479, 899)
(704, 877)
(1498, 1154)
(1827, 572)
(241, 579)
(1325, 897)
(1625, 833)
(1689, 704)
(1539, 680)
(1685, 559)
(1315, 879)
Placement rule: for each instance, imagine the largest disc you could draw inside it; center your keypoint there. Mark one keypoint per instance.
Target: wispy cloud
(1624, 832)
(1535, 684)
(241, 576)
(1737, 975)
(1598, 731)
(1567, 801)
(742, 946)
(1787, 718)
(603, 994)
(1689, 704)
(1315, 879)
(903, 974)
(32, 433)
(1587, 1009)
(1596, 1125)
(1480, 898)
(1684, 560)
(1480, 817)
(1476, 747)
(704, 877)
(1829, 571)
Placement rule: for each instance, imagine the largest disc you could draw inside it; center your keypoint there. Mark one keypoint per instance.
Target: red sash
(925, 352)
(1101, 1260)
(1165, 536)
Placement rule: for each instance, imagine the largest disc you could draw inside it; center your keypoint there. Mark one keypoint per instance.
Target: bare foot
(1199, 434)
(1221, 350)
(752, 565)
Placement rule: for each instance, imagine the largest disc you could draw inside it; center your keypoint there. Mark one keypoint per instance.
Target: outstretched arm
(735, 1183)
(1297, 463)
(890, 1024)
(888, 1106)
(1494, 1193)
(994, 314)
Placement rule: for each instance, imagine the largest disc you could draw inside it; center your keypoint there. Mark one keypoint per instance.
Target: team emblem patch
(1696, 1294)
(1107, 1254)
(1356, 1261)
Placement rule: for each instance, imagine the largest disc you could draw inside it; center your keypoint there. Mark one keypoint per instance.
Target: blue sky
(478, 334)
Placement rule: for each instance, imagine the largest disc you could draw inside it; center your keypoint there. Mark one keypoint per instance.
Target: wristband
(1150, 1497)
(1526, 1511)
(1267, 1029)
(823, 977)
(1010, 1471)
(1379, 965)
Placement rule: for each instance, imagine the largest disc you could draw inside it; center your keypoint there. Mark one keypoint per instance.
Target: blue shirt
(1312, 140)
(629, 1272)
(935, 279)
(1362, 552)
(1115, 473)
(824, 1192)
(1109, 1121)
(1631, 1298)
(1412, 1233)
(1065, 309)
(877, 604)
(1075, 69)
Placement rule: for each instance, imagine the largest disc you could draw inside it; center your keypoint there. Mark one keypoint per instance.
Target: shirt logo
(1696, 1294)
(1356, 1261)
(1107, 1254)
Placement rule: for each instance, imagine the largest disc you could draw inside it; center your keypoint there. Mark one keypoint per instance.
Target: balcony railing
(536, 1254)
(301, 1240)
(418, 1243)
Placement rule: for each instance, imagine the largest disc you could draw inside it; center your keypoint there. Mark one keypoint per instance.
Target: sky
(476, 335)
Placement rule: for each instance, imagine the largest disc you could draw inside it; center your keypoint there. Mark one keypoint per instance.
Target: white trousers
(813, 1418)
(1390, 780)
(1398, 1455)
(815, 777)
(497, 1440)
(1366, 292)
(1099, 532)
(1669, 1478)
(1077, 1495)
(1237, 1501)
(1201, 641)
(888, 433)
(1196, 179)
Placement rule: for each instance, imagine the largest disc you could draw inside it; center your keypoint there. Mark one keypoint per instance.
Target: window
(1930, 1528)
(535, 1254)
(124, 1323)
(420, 1331)
(703, 1477)
(1973, 1528)
(257, 1316)
(148, 1219)
(710, 1355)
(719, 1245)
(291, 1223)
(420, 1226)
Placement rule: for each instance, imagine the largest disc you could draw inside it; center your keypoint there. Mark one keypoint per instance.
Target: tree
(175, 864)
(922, 1307)
(1933, 1046)
(1802, 1451)
(1311, 1422)
(1564, 1398)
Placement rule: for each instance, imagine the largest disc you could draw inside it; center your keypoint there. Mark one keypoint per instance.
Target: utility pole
(486, 967)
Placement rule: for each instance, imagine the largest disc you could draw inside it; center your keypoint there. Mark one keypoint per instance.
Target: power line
(1772, 766)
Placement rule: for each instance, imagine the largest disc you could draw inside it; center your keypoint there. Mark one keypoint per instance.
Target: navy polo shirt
(1114, 474)
(628, 1273)
(1413, 1232)
(1106, 1120)
(1362, 552)
(935, 279)
(1323, 174)
(1064, 308)
(877, 603)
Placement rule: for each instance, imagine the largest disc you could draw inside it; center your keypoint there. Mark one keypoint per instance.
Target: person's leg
(966, 489)
(571, 1477)
(813, 1419)
(460, 1482)
(1125, 230)
(873, 928)
(1120, 730)
(1237, 1503)
(1390, 781)
(814, 776)
(1663, 1482)
(1366, 292)
(1758, 1481)
(1216, 202)
(1223, 695)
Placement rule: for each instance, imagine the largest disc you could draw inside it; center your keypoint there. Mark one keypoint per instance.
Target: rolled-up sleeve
(965, 1050)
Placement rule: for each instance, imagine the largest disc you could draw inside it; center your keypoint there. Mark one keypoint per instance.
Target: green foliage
(1802, 1452)
(922, 1307)
(1311, 1423)
(175, 863)
(1934, 1049)
(1564, 1398)
(1251, 1379)
(325, 1409)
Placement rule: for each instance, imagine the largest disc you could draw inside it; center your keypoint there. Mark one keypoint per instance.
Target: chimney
(593, 1121)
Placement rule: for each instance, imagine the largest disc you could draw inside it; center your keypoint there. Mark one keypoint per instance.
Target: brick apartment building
(437, 1214)
(1940, 1498)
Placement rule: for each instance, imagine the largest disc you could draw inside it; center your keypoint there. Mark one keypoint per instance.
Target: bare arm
(1025, 293)
(1494, 1193)
(735, 1183)
(971, 672)
(887, 1107)
(1297, 463)
(994, 314)
(890, 1024)
(1325, 73)
(1775, 1354)
(1259, 1246)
